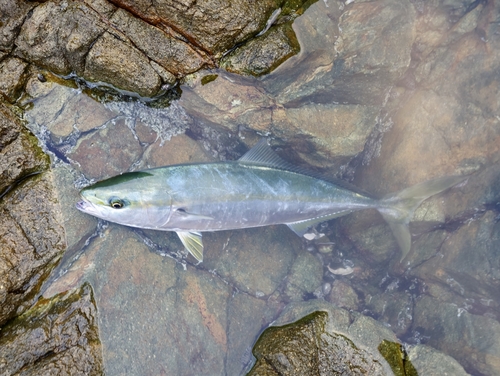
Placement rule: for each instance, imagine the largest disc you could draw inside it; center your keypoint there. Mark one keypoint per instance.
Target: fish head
(134, 199)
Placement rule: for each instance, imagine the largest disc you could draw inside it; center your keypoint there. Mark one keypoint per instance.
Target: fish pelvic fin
(193, 243)
(398, 209)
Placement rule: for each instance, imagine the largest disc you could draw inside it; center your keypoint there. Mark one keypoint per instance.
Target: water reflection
(375, 96)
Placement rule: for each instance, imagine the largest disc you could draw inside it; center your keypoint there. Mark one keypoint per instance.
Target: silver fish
(259, 189)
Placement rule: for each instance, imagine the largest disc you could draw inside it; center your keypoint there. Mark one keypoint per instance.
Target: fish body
(260, 189)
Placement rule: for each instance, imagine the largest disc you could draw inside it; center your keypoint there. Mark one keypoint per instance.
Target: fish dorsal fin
(262, 154)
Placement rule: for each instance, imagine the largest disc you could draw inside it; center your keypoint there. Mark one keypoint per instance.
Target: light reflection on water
(159, 313)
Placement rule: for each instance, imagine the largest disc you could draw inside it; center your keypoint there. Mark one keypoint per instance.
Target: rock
(431, 362)
(468, 261)
(254, 260)
(180, 149)
(343, 295)
(55, 336)
(263, 54)
(215, 27)
(317, 343)
(32, 241)
(64, 111)
(101, 156)
(472, 339)
(12, 16)
(305, 348)
(393, 308)
(116, 62)
(58, 36)
(20, 155)
(305, 276)
(429, 137)
(173, 54)
(343, 129)
(189, 302)
(364, 58)
(12, 78)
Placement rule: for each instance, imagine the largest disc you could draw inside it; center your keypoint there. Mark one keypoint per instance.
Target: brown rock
(101, 156)
(12, 78)
(19, 151)
(263, 54)
(215, 26)
(171, 53)
(55, 337)
(58, 36)
(343, 295)
(116, 62)
(31, 238)
(180, 149)
(12, 16)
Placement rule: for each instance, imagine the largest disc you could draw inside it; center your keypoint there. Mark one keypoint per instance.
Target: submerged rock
(324, 340)
(306, 347)
(472, 339)
(263, 54)
(57, 336)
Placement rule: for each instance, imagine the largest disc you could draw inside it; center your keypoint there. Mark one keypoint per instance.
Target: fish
(259, 189)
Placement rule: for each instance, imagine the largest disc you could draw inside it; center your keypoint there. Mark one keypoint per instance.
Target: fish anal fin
(193, 243)
(301, 227)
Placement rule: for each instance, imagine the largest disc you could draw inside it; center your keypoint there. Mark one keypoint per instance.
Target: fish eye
(116, 203)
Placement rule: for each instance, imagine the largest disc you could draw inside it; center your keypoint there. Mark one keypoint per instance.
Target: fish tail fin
(398, 209)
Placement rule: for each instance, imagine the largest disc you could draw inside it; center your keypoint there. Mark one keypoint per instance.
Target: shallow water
(339, 108)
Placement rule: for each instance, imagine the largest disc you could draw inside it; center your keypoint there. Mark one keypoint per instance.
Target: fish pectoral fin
(193, 243)
(301, 227)
(190, 216)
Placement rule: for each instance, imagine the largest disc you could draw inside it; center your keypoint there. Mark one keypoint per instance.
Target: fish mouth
(87, 207)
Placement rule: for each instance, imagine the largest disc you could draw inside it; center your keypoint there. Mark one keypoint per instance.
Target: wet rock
(64, 111)
(180, 149)
(229, 102)
(343, 295)
(397, 358)
(305, 348)
(12, 78)
(55, 336)
(58, 36)
(78, 226)
(116, 62)
(468, 261)
(241, 321)
(101, 156)
(363, 60)
(393, 308)
(215, 26)
(455, 75)
(305, 276)
(20, 154)
(431, 362)
(12, 16)
(173, 54)
(342, 129)
(254, 260)
(158, 304)
(471, 339)
(32, 240)
(263, 54)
